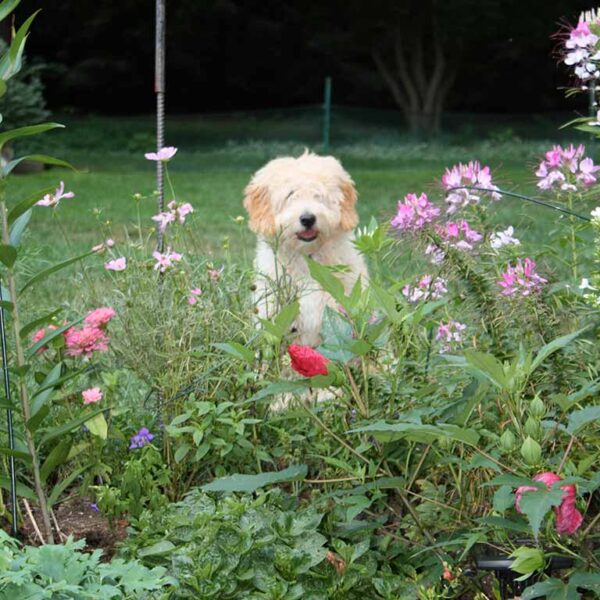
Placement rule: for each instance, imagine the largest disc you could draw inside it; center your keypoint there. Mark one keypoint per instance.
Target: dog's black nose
(308, 220)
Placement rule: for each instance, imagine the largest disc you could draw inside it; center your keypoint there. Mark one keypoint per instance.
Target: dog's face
(303, 201)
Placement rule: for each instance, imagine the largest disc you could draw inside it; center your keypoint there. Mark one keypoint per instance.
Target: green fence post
(327, 115)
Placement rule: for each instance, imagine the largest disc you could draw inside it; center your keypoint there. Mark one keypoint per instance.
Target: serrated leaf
(251, 483)
(527, 560)
(536, 505)
(578, 419)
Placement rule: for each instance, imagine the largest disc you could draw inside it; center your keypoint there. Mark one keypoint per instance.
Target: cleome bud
(531, 451)
(533, 428)
(507, 440)
(537, 408)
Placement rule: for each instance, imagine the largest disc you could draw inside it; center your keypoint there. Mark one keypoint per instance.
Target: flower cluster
(306, 361)
(140, 439)
(92, 395)
(470, 175)
(193, 297)
(176, 213)
(564, 169)
(53, 200)
(414, 213)
(450, 335)
(500, 239)
(458, 235)
(165, 260)
(568, 518)
(521, 279)
(427, 288)
(582, 52)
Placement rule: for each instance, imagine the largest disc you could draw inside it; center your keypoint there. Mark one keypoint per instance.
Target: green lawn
(218, 156)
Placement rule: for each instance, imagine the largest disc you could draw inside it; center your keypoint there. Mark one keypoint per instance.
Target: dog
(302, 207)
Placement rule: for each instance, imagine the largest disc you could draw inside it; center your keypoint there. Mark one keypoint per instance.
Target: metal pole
(159, 90)
(327, 115)
(9, 422)
(593, 108)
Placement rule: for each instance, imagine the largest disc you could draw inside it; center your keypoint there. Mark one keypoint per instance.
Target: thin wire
(522, 197)
(9, 422)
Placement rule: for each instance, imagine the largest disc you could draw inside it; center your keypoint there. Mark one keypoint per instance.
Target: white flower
(585, 284)
(504, 238)
(596, 214)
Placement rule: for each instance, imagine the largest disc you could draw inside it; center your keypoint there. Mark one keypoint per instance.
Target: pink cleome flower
(426, 288)
(470, 175)
(54, 199)
(521, 279)
(118, 264)
(163, 155)
(450, 335)
(84, 342)
(414, 213)
(568, 518)
(100, 317)
(458, 234)
(165, 261)
(91, 395)
(582, 52)
(563, 169)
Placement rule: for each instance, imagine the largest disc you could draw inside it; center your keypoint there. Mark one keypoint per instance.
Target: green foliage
(64, 571)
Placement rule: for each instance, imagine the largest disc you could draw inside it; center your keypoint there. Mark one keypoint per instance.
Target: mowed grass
(216, 160)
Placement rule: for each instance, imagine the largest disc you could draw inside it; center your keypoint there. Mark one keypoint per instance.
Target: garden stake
(327, 115)
(159, 90)
(9, 422)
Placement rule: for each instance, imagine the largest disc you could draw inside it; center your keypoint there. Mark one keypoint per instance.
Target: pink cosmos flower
(521, 279)
(166, 260)
(414, 213)
(458, 235)
(426, 288)
(92, 395)
(470, 175)
(193, 298)
(54, 199)
(84, 342)
(100, 317)
(180, 211)
(164, 154)
(163, 219)
(563, 169)
(119, 264)
(568, 518)
(450, 335)
(110, 243)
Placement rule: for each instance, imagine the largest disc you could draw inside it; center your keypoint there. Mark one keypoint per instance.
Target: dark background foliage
(242, 54)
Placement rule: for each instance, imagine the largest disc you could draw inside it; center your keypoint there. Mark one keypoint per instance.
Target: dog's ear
(349, 217)
(258, 204)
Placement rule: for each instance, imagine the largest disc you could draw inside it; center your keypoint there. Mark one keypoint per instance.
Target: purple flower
(94, 507)
(140, 439)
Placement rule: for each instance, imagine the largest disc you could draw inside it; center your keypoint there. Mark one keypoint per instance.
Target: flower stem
(23, 392)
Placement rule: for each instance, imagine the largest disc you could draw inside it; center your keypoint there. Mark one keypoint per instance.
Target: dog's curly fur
(282, 199)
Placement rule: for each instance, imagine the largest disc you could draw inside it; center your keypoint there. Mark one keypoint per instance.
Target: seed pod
(507, 440)
(537, 408)
(533, 428)
(531, 451)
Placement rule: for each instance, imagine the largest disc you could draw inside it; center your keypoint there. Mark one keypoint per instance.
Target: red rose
(306, 361)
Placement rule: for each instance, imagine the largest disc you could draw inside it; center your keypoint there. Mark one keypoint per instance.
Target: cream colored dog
(302, 207)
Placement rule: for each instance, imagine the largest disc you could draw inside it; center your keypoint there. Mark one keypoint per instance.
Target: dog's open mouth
(308, 235)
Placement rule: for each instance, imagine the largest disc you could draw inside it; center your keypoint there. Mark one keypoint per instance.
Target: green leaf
(18, 227)
(34, 422)
(49, 337)
(387, 303)
(285, 387)
(514, 481)
(527, 560)
(588, 581)
(503, 498)
(22, 490)
(98, 426)
(49, 271)
(578, 419)
(237, 351)
(60, 487)
(536, 505)
(3, 88)
(16, 453)
(11, 61)
(182, 452)
(417, 432)
(6, 305)
(337, 337)
(69, 426)
(251, 483)
(328, 281)
(162, 547)
(551, 589)
(6, 7)
(8, 255)
(552, 347)
(48, 384)
(13, 134)
(27, 203)
(488, 366)
(41, 158)
(502, 523)
(58, 456)
(37, 323)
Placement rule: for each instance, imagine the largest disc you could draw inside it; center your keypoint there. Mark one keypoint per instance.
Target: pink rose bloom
(54, 199)
(100, 317)
(163, 155)
(92, 395)
(119, 264)
(84, 342)
(568, 518)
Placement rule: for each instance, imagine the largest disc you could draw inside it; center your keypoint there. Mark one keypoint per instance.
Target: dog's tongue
(307, 234)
